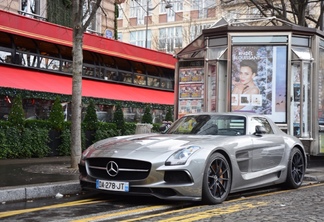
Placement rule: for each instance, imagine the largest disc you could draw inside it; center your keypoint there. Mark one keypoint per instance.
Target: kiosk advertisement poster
(321, 143)
(191, 90)
(211, 88)
(259, 76)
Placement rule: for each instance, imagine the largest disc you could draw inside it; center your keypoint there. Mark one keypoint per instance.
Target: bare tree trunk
(76, 145)
(83, 12)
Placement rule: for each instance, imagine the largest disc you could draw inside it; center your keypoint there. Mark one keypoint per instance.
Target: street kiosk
(269, 67)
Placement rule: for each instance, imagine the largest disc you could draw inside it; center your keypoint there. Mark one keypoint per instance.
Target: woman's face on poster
(246, 75)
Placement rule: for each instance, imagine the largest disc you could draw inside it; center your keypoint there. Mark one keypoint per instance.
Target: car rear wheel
(296, 169)
(217, 180)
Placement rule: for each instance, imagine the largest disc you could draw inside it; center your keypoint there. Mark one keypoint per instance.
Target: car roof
(243, 114)
(246, 114)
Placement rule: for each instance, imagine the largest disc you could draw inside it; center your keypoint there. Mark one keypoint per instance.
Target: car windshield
(209, 125)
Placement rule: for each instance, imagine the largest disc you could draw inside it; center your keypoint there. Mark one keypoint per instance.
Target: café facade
(289, 76)
(36, 63)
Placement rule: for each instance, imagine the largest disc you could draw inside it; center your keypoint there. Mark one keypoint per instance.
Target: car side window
(263, 122)
(231, 125)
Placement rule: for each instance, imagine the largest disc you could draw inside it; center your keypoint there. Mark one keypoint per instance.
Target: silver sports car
(201, 157)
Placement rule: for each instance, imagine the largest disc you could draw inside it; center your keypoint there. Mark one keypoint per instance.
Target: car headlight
(181, 156)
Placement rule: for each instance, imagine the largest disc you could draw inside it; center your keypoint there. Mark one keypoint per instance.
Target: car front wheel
(217, 179)
(296, 169)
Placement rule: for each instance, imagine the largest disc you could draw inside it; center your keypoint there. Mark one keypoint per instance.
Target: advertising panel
(296, 71)
(259, 76)
(212, 88)
(191, 90)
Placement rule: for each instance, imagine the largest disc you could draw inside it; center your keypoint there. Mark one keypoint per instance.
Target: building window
(202, 7)
(138, 10)
(33, 8)
(231, 15)
(170, 38)
(253, 12)
(132, 8)
(120, 11)
(170, 15)
(138, 38)
(196, 30)
(94, 26)
(177, 6)
(120, 36)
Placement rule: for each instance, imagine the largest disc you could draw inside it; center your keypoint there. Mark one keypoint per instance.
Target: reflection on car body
(201, 157)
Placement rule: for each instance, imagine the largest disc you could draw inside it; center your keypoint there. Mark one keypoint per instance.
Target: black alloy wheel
(217, 180)
(296, 169)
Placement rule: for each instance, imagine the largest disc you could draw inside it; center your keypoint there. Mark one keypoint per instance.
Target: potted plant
(56, 118)
(90, 123)
(146, 124)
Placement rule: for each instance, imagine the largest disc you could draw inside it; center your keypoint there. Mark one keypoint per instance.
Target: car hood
(148, 145)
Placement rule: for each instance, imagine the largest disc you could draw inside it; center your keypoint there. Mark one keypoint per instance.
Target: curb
(314, 175)
(38, 191)
(310, 178)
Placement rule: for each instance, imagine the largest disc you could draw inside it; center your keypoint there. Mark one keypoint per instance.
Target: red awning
(36, 29)
(44, 82)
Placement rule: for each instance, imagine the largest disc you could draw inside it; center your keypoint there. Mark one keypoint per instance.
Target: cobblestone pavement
(303, 204)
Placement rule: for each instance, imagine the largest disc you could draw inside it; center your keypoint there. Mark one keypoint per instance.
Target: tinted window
(209, 125)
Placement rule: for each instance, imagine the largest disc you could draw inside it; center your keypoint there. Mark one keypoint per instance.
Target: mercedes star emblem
(112, 168)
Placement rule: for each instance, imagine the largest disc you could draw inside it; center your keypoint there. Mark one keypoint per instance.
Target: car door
(268, 148)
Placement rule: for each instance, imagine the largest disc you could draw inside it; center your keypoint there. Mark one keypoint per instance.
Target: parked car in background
(201, 157)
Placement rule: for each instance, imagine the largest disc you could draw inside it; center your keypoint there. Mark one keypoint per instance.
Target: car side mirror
(162, 128)
(259, 130)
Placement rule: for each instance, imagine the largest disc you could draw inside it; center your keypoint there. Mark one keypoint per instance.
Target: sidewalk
(25, 179)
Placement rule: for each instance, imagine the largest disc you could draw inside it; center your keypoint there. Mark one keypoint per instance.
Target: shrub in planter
(168, 115)
(147, 117)
(64, 147)
(26, 142)
(56, 119)
(4, 148)
(37, 123)
(119, 119)
(16, 115)
(146, 123)
(105, 130)
(156, 128)
(34, 143)
(130, 128)
(90, 122)
(13, 142)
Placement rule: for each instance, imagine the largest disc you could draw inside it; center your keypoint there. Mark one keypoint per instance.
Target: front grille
(127, 169)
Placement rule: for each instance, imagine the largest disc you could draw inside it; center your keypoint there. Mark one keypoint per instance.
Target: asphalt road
(303, 204)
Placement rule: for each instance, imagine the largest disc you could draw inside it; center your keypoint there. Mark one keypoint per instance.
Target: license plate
(112, 185)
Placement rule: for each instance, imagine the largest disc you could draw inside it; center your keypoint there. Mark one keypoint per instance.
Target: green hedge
(32, 140)
(17, 142)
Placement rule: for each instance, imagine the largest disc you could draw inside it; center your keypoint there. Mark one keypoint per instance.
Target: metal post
(147, 15)
(322, 16)
(148, 9)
